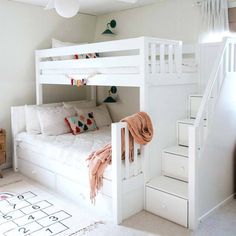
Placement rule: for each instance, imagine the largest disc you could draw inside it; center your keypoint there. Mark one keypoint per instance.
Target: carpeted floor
(221, 223)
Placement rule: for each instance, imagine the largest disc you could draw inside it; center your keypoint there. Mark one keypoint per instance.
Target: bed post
(116, 174)
(93, 93)
(144, 100)
(39, 87)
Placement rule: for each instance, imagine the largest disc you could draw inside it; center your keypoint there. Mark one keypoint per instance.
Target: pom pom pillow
(82, 123)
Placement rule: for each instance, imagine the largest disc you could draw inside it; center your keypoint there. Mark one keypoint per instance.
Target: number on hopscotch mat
(27, 214)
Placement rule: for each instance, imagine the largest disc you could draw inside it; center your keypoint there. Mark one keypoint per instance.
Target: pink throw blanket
(140, 130)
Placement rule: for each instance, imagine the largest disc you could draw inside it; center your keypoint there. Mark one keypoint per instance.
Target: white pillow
(101, 114)
(31, 117)
(80, 104)
(52, 120)
(58, 44)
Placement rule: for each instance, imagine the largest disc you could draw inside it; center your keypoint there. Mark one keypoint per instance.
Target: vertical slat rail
(162, 58)
(127, 161)
(225, 62)
(153, 58)
(170, 58)
(116, 173)
(39, 87)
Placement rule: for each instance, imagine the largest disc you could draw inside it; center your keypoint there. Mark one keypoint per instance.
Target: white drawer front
(167, 206)
(175, 166)
(183, 134)
(38, 174)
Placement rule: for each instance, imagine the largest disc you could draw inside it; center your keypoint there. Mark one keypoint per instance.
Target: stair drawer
(37, 173)
(175, 166)
(167, 206)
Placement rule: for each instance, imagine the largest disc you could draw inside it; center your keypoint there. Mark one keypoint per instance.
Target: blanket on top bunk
(140, 130)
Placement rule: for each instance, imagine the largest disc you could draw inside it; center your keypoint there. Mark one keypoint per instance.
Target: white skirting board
(221, 204)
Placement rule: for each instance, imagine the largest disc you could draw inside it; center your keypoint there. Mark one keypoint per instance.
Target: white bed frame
(144, 54)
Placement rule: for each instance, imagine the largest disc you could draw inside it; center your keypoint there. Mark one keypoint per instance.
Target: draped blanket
(140, 130)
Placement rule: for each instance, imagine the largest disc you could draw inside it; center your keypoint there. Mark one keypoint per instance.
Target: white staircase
(175, 194)
(167, 195)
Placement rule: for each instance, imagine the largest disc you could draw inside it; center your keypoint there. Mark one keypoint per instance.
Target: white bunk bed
(140, 62)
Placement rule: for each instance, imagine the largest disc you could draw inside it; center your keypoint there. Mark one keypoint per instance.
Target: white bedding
(65, 154)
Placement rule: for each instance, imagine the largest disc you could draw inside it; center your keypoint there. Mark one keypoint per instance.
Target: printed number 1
(50, 231)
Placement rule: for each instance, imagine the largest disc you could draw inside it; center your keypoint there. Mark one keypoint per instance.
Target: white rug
(27, 209)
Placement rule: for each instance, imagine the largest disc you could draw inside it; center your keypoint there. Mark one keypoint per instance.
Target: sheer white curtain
(215, 22)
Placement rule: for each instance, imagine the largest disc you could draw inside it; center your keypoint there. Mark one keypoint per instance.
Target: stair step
(177, 150)
(194, 104)
(169, 185)
(182, 126)
(175, 162)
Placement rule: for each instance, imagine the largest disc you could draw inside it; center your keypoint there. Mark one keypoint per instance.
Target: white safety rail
(120, 136)
(198, 132)
(121, 62)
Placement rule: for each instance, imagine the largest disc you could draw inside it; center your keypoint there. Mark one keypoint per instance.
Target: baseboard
(210, 212)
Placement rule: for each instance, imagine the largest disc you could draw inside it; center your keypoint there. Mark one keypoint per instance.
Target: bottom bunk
(59, 162)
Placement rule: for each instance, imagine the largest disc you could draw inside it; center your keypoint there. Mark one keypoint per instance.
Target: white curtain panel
(215, 22)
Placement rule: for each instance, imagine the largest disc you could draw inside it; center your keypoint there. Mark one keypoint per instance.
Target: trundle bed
(140, 62)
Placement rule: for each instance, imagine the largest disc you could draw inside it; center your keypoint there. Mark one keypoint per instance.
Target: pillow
(52, 120)
(82, 123)
(31, 117)
(80, 104)
(58, 44)
(101, 114)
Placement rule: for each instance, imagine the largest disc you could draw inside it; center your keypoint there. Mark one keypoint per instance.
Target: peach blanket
(140, 130)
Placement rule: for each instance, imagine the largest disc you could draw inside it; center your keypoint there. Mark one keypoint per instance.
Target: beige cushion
(101, 114)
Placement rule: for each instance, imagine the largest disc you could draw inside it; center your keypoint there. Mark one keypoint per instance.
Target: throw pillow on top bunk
(82, 123)
(101, 114)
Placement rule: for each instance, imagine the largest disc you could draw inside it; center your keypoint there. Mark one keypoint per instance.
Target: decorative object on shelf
(112, 95)
(67, 9)
(2, 148)
(111, 25)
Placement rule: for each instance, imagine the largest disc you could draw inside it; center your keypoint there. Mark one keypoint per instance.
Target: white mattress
(65, 154)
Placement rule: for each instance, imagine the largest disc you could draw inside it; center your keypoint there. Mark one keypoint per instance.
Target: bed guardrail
(118, 187)
(135, 59)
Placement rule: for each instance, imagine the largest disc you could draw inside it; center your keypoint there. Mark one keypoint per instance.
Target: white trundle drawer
(167, 206)
(37, 173)
(175, 166)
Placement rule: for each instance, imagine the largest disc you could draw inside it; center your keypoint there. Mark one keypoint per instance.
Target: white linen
(66, 154)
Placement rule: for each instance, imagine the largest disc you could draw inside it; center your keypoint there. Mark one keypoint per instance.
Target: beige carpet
(222, 223)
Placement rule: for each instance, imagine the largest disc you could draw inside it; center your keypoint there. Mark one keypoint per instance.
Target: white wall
(24, 28)
(217, 162)
(170, 19)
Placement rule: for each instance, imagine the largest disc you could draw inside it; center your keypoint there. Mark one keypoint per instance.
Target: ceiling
(98, 7)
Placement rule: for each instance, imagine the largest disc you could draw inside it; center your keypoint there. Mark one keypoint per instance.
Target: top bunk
(130, 62)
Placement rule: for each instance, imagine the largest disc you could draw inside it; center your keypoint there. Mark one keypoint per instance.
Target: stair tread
(170, 185)
(196, 95)
(187, 121)
(177, 150)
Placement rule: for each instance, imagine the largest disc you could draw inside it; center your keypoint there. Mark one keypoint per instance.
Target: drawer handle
(163, 206)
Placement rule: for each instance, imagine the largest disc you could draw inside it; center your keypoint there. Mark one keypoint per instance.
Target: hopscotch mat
(34, 212)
